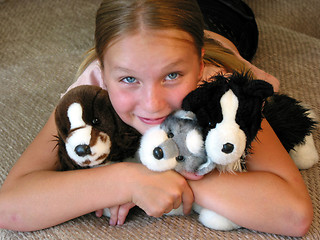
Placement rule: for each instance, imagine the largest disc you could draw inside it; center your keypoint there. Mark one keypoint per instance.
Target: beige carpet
(41, 43)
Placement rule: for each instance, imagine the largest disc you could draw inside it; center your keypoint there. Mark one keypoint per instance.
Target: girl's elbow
(302, 219)
(10, 216)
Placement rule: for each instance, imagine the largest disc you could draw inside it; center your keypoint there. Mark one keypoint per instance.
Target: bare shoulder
(222, 40)
(258, 73)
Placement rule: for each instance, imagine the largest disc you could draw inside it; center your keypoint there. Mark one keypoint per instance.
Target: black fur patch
(289, 119)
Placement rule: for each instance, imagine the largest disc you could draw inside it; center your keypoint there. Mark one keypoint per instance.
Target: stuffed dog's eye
(211, 125)
(180, 158)
(95, 121)
(170, 135)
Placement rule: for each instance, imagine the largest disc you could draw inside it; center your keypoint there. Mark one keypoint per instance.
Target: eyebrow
(168, 66)
(123, 69)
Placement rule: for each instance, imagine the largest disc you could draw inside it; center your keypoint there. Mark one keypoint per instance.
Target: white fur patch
(305, 155)
(82, 136)
(213, 220)
(228, 131)
(176, 212)
(75, 116)
(194, 141)
(229, 106)
(150, 140)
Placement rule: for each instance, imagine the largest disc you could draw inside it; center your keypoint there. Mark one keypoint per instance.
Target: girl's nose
(154, 100)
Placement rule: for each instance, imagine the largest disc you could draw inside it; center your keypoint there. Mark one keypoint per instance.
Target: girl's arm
(36, 196)
(270, 197)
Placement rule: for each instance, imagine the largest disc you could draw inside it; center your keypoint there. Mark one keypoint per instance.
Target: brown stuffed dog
(90, 132)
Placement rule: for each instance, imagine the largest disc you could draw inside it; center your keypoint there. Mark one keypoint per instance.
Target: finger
(123, 212)
(114, 215)
(177, 203)
(187, 199)
(99, 213)
(168, 209)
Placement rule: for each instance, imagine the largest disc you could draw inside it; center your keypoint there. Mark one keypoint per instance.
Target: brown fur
(96, 104)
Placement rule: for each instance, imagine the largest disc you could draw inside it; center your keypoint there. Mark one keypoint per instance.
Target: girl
(149, 55)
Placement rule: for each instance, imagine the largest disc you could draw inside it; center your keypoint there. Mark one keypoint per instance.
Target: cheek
(181, 93)
(123, 103)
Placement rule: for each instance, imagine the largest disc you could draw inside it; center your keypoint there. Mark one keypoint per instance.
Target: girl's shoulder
(92, 75)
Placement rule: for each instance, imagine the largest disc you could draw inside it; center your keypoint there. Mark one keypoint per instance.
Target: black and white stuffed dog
(230, 110)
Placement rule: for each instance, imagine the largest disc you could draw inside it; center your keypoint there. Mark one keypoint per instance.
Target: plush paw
(213, 220)
(177, 212)
(206, 168)
(305, 155)
(106, 212)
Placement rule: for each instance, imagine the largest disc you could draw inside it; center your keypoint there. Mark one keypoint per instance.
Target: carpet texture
(41, 46)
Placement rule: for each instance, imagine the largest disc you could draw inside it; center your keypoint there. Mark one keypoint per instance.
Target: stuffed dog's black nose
(158, 153)
(227, 148)
(82, 150)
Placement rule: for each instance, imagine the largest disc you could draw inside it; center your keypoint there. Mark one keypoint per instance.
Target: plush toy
(177, 143)
(230, 110)
(90, 133)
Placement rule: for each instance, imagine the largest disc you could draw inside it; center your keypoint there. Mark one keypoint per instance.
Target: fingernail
(112, 223)
(119, 222)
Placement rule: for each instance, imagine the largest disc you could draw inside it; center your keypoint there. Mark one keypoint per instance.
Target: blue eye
(172, 76)
(129, 80)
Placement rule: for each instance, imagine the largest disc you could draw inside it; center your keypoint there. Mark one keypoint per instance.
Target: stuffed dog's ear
(188, 115)
(259, 88)
(199, 97)
(245, 82)
(84, 95)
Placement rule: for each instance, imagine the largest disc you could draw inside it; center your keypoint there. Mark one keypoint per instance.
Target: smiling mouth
(152, 121)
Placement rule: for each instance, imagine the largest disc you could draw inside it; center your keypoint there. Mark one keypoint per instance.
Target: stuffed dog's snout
(167, 149)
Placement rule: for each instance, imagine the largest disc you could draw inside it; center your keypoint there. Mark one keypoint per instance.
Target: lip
(152, 121)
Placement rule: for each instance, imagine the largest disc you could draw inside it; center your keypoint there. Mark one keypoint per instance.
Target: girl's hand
(119, 213)
(155, 192)
(159, 192)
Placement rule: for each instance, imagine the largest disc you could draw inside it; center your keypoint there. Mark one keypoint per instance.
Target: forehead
(148, 34)
(150, 44)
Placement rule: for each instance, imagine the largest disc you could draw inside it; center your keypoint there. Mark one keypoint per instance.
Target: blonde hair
(117, 18)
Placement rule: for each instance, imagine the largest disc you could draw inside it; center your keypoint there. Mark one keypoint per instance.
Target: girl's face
(149, 73)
